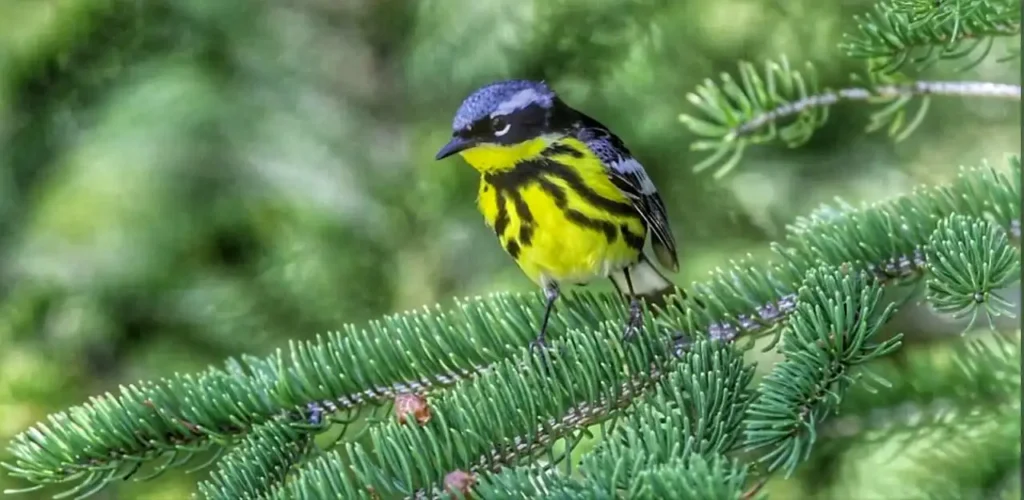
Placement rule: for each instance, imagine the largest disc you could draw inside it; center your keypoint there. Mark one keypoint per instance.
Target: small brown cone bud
(412, 404)
(459, 481)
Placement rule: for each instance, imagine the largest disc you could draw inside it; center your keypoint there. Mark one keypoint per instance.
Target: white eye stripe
(504, 130)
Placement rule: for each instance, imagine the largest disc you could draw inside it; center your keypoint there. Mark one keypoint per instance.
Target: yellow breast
(558, 215)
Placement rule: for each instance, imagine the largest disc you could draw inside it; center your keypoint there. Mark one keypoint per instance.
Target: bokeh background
(181, 181)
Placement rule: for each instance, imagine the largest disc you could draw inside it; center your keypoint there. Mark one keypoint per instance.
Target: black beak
(454, 146)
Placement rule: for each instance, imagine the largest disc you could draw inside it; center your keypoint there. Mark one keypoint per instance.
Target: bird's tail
(648, 283)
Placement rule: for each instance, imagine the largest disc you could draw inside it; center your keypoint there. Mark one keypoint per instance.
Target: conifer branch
(315, 383)
(701, 476)
(692, 476)
(484, 423)
(923, 32)
(912, 89)
(697, 410)
(887, 240)
(938, 400)
(837, 315)
(260, 462)
(501, 418)
(816, 341)
(788, 105)
(929, 401)
(971, 259)
(531, 482)
(485, 409)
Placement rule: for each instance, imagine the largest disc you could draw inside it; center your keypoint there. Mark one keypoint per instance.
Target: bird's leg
(636, 314)
(550, 295)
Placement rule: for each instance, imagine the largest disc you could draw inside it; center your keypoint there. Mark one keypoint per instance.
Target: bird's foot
(539, 345)
(635, 322)
(679, 343)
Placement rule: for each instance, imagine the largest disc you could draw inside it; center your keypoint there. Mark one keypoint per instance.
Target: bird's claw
(539, 344)
(679, 343)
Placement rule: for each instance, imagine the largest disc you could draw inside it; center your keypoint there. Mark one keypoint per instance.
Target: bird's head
(501, 114)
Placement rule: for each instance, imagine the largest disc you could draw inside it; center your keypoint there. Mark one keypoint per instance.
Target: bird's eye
(500, 127)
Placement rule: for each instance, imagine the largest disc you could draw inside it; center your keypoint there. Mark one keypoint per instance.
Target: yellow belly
(531, 197)
(558, 247)
(564, 251)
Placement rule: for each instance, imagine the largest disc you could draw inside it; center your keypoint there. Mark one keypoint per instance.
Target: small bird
(565, 197)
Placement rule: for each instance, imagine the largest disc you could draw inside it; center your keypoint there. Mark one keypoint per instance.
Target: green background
(185, 180)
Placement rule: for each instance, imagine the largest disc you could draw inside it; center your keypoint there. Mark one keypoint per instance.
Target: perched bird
(565, 197)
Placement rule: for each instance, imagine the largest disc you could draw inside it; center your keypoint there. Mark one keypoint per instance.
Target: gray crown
(501, 98)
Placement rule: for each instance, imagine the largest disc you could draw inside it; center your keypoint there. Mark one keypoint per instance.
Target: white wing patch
(632, 168)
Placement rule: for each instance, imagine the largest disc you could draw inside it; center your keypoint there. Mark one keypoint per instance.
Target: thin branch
(963, 89)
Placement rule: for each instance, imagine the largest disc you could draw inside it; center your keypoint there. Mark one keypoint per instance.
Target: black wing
(629, 176)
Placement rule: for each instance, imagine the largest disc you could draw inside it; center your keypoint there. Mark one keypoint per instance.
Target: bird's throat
(492, 158)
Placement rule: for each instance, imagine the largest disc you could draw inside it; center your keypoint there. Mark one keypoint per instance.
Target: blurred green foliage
(183, 181)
